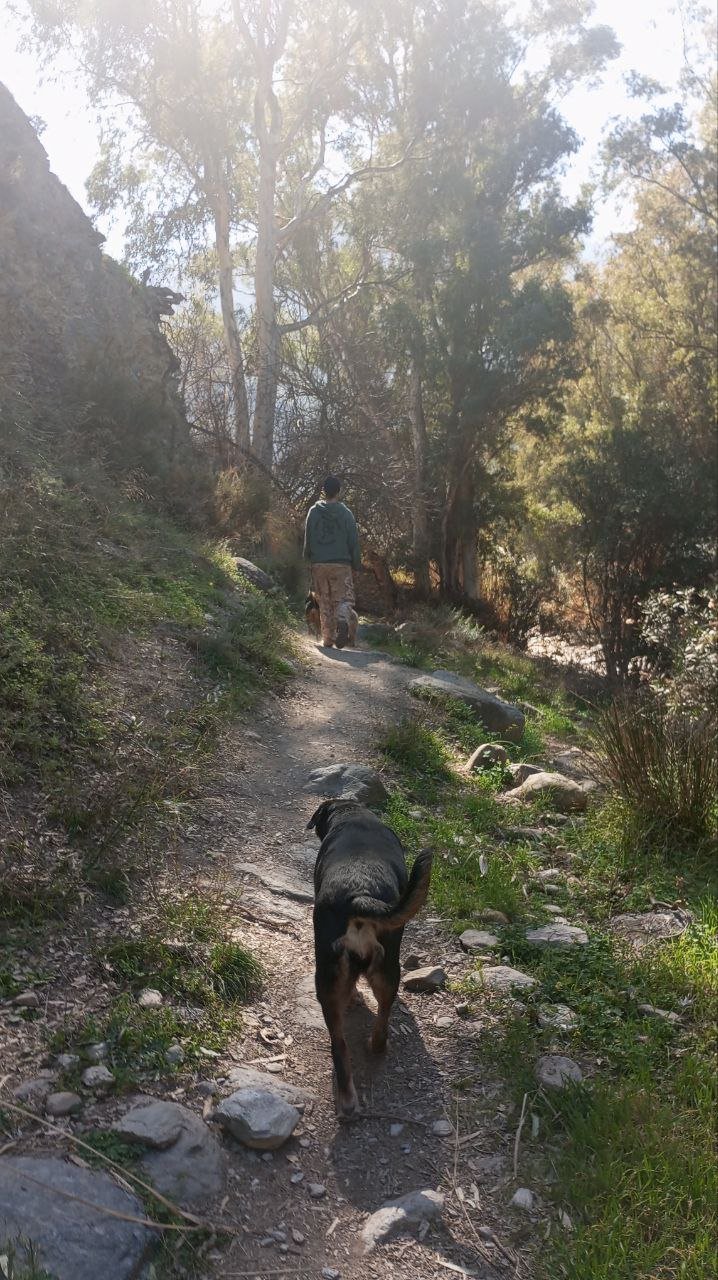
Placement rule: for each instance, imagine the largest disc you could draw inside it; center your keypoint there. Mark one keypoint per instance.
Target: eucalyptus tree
(472, 323)
(239, 120)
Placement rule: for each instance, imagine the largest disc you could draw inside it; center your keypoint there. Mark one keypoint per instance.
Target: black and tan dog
(363, 897)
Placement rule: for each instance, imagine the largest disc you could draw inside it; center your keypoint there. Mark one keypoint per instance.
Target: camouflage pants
(334, 588)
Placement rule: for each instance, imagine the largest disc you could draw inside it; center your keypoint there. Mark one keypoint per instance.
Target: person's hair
(331, 486)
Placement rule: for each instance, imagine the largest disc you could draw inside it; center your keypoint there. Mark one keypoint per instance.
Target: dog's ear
(317, 822)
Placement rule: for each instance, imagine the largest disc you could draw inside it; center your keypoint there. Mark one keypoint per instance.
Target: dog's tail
(383, 914)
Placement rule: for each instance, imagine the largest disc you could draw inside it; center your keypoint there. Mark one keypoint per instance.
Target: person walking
(331, 544)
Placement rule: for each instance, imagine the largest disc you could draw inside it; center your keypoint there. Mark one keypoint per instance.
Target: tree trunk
(268, 125)
(220, 209)
(420, 515)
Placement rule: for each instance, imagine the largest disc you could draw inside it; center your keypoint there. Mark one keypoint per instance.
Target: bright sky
(649, 30)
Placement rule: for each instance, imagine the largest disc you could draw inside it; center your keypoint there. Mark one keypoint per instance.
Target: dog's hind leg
(334, 995)
(384, 982)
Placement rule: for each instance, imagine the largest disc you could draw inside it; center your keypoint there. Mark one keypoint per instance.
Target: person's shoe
(342, 635)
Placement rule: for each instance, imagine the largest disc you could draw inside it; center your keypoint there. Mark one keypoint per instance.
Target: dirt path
(258, 814)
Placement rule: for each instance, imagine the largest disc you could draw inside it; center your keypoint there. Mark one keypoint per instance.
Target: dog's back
(363, 897)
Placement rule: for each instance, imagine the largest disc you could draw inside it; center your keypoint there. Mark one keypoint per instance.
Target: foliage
(679, 635)
(637, 1181)
(665, 766)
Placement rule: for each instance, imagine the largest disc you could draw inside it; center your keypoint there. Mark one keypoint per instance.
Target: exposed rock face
(69, 313)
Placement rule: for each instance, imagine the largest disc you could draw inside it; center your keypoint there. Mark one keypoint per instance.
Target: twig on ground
(517, 1139)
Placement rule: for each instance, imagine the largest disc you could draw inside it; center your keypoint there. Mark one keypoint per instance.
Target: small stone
(490, 915)
(523, 1199)
(98, 1078)
(174, 1055)
(565, 795)
(32, 1091)
(62, 1104)
(27, 1000)
(316, 1190)
(297, 1177)
(157, 1125)
(478, 940)
(487, 756)
(445, 1022)
(67, 1061)
(442, 1128)
(500, 979)
(429, 980)
(463, 1010)
(413, 961)
(96, 1052)
(297, 1236)
(553, 1071)
(410, 1210)
(329, 1273)
(558, 1017)
(562, 936)
(520, 772)
(395, 1130)
(416, 815)
(149, 998)
(257, 1118)
(207, 1088)
(651, 1011)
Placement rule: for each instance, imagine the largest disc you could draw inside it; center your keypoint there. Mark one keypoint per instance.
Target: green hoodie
(330, 535)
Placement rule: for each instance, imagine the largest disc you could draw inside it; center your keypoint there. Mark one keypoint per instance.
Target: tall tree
(249, 119)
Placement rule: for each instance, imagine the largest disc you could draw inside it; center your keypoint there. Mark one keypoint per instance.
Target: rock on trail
(355, 781)
(183, 1159)
(50, 1202)
(399, 1215)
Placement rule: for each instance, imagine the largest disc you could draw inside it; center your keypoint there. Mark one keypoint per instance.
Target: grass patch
(203, 975)
(96, 586)
(635, 1169)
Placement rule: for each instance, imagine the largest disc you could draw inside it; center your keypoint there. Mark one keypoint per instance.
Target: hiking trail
(302, 1207)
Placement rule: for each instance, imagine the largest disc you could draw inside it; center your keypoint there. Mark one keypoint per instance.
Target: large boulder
(564, 794)
(59, 1208)
(496, 716)
(355, 781)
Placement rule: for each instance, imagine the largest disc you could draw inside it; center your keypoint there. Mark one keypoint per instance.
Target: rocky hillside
(69, 312)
